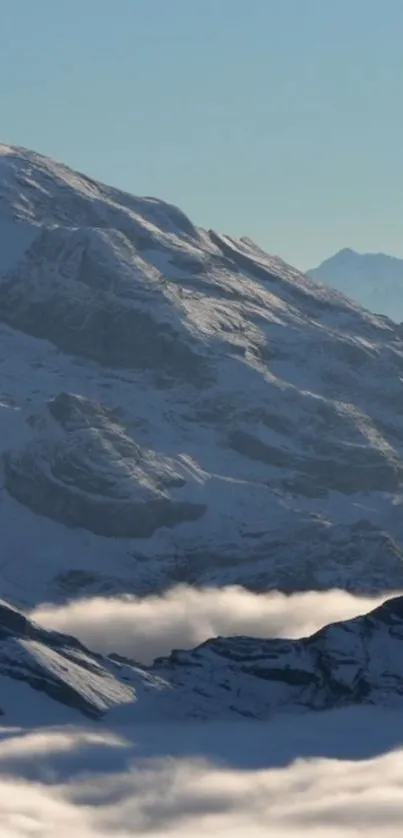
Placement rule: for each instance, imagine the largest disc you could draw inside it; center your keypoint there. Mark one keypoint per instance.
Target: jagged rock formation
(89, 473)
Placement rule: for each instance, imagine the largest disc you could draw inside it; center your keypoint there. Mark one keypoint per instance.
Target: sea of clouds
(81, 784)
(330, 775)
(144, 628)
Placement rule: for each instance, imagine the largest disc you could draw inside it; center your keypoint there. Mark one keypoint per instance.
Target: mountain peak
(39, 190)
(345, 252)
(373, 279)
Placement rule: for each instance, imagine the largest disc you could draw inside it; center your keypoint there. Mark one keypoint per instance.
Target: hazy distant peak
(346, 251)
(344, 256)
(373, 279)
(348, 255)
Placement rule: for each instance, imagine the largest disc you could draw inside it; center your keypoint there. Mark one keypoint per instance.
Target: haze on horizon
(280, 121)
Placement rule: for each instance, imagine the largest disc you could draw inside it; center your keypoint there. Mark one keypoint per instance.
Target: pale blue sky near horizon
(277, 119)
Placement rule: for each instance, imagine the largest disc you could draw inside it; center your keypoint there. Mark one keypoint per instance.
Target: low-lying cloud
(336, 775)
(192, 797)
(144, 628)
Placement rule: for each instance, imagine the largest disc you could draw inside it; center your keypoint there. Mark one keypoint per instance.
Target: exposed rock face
(90, 293)
(87, 472)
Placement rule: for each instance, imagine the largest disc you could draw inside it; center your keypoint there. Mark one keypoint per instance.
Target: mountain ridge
(348, 663)
(179, 406)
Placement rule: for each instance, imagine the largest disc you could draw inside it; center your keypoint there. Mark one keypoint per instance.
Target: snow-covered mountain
(354, 662)
(375, 280)
(358, 661)
(176, 405)
(35, 663)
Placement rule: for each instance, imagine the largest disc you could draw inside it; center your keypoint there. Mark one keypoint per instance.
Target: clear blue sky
(277, 119)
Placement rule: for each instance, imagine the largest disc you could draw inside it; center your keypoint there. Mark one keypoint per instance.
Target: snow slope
(176, 405)
(374, 279)
(55, 665)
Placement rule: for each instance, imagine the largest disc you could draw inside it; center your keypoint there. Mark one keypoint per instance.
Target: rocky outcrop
(92, 294)
(84, 470)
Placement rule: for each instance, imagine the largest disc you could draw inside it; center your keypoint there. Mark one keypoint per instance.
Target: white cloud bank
(190, 798)
(335, 775)
(143, 628)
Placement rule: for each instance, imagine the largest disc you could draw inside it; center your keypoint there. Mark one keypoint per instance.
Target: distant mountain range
(373, 279)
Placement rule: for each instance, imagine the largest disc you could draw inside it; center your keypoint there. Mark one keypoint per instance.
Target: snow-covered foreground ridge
(178, 406)
(357, 661)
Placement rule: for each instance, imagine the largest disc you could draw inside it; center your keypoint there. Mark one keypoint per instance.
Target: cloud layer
(336, 775)
(190, 797)
(184, 617)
